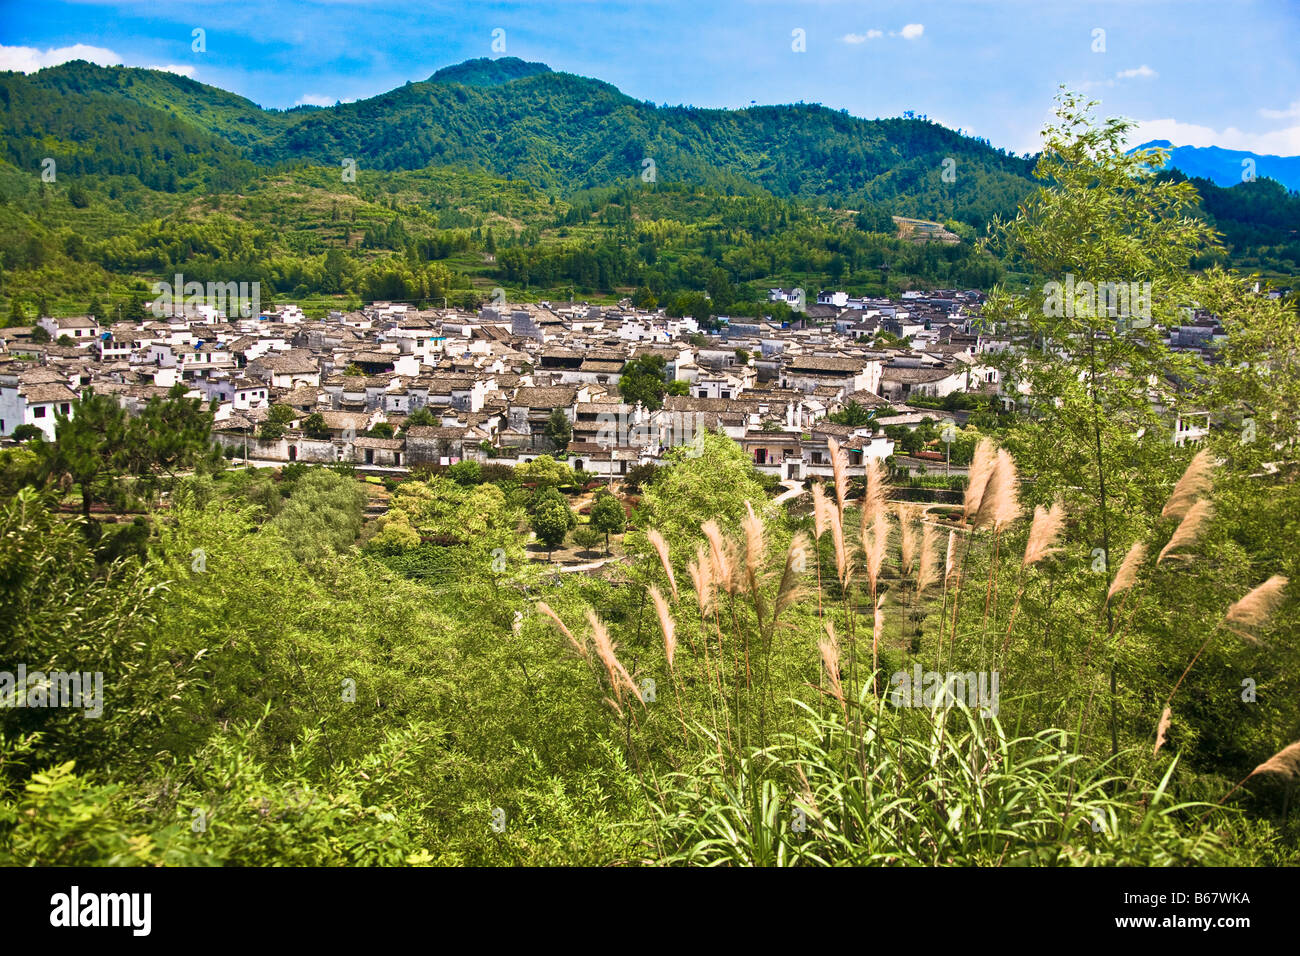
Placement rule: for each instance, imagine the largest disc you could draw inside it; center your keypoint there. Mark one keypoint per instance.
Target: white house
(32, 405)
(82, 329)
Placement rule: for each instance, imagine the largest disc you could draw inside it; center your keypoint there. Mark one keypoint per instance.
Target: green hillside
(502, 173)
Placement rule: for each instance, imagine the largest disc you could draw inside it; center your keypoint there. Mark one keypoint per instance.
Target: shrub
(466, 473)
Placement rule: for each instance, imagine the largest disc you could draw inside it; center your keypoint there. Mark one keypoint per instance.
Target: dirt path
(793, 489)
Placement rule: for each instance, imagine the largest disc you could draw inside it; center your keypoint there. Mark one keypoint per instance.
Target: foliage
(552, 519)
(643, 381)
(544, 472)
(321, 517)
(968, 797)
(313, 426)
(607, 516)
(586, 536)
(558, 428)
(693, 488)
(275, 695)
(853, 414)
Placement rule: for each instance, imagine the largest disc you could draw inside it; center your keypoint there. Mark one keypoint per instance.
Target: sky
(1223, 73)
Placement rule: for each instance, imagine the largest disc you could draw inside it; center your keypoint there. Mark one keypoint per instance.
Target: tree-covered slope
(517, 120)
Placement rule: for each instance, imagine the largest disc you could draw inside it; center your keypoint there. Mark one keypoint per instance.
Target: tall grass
(785, 717)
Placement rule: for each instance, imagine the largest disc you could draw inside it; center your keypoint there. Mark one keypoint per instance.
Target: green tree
(639, 477)
(558, 428)
(467, 474)
(643, 381)
(712, 478)
(720, 290)
(544, 472)
(322, 516)
(422, 417)
(552, 519)
(313, 426)
(587, 537)
(853, 413)
(169, 435)
(1083, 368)
(19, 467)
(90, 448)
(281, 414)
(607, 515)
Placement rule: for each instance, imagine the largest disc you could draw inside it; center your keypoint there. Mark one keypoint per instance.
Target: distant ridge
(1223, 167)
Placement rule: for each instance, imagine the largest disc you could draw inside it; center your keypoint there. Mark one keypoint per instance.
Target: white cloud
(28, 59)
(1279, 142)
(174, 68)
(1291, 112)
(318, 99)
(909, 32)
(1143, 71)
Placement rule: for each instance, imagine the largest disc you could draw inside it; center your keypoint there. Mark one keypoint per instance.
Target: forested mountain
(502, 173)
(517, 120)
(1259, 221)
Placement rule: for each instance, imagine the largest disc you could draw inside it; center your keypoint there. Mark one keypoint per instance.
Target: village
(389, 387)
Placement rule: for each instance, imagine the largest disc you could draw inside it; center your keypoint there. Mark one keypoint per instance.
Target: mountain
(1226, 167)
(486, 72)
(502, 173)
(523, 121)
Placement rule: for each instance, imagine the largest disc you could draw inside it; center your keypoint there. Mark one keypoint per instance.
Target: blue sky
(1222, 73)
